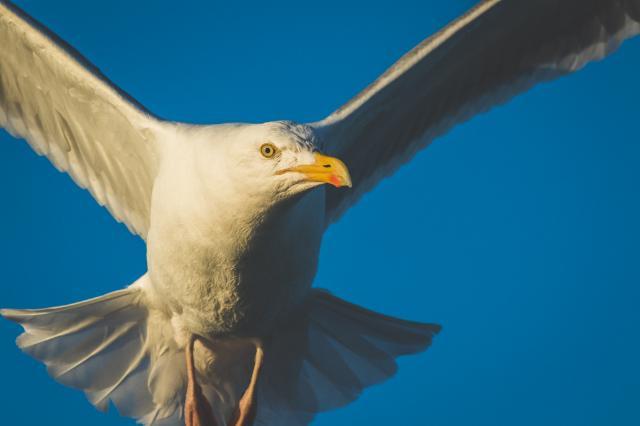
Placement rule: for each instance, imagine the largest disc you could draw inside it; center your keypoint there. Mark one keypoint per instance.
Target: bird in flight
(225, 327)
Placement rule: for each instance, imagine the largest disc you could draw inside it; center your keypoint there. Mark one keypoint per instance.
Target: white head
(278, 160)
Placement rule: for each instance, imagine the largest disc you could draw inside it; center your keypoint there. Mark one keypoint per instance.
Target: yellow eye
(268, 150)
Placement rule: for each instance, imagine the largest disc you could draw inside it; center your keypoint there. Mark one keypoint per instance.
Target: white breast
(220, 270)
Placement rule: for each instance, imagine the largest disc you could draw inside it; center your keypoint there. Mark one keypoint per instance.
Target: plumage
(493, 52)
(67, 110)
(233, 214)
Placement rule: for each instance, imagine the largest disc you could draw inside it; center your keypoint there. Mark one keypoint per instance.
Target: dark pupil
(267, 150)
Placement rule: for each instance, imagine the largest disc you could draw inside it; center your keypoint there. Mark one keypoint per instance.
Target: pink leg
(247, 405)
(197, 411)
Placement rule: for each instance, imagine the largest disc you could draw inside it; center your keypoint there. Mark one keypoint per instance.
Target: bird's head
(283, 160)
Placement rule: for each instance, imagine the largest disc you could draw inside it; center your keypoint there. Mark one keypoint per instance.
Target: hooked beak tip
(324, 169)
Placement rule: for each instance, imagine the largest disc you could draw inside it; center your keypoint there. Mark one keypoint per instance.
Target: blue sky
(518, 231)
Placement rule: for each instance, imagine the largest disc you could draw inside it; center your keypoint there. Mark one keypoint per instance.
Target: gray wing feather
(495, 51)
(67, 110)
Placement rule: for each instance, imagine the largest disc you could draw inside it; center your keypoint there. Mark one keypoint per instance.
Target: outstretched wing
(495, 51)
(67, 110)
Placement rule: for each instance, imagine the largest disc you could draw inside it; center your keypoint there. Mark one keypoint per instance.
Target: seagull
(225, 328)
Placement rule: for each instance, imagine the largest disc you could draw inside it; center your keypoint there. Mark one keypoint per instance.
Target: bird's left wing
(67, 110)
(496, 50)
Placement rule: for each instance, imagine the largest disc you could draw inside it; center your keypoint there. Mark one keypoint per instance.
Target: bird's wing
(493, 52)
(67, 110)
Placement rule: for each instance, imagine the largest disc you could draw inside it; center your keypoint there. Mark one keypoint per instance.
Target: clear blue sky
(518, 231)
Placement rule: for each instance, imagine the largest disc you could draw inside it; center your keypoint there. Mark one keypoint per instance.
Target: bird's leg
(197, 411)
(247, 406)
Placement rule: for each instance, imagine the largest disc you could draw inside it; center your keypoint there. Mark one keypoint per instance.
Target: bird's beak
(324, 169)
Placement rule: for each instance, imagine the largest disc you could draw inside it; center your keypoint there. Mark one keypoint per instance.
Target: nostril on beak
(326, 166)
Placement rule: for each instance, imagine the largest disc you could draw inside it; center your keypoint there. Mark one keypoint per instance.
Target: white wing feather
(68, 111)
(495, 51)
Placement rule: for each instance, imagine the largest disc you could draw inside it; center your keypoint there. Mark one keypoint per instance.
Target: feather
(325, 355)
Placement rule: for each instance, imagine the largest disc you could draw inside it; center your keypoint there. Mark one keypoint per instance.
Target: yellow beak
(324, 169)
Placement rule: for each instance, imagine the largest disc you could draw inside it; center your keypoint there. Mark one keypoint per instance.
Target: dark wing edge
(498, 49)
(68, 111)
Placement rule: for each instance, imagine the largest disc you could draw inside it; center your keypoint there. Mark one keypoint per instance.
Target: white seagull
(224, 328)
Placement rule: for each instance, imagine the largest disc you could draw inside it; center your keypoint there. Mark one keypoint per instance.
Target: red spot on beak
(335, 181)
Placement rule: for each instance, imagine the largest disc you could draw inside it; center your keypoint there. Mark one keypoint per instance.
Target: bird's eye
(268, 150)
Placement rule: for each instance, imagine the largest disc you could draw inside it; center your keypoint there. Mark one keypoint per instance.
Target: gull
(225, 327)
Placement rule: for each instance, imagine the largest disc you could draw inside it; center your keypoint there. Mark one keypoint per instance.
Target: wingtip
(9, 314)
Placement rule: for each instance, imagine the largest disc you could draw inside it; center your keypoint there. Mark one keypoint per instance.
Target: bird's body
(233, 215)
(224, 260)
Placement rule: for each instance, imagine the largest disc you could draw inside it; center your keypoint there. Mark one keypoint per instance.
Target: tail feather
(391, 335)
(328, 355)
(102, 347)
(120, 352)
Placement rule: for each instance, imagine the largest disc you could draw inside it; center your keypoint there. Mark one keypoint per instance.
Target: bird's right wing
(498, 49)
(67, 110)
